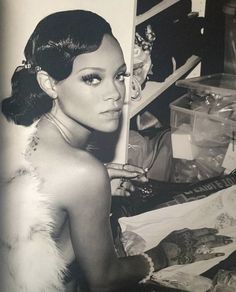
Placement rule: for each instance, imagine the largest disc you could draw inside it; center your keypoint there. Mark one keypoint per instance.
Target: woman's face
(93, 94)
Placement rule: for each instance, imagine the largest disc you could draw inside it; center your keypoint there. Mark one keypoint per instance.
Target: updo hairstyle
(56, 41)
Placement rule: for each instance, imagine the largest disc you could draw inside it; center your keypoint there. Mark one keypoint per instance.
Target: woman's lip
(112, 110)
(114, 113)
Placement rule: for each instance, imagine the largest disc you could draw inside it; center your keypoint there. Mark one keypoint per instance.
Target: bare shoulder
(78, 178)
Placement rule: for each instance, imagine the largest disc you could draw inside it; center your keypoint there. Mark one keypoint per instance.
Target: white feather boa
(29, 258)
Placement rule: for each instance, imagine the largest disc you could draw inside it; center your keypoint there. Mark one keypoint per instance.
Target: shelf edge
(155, 10)
(137, 106)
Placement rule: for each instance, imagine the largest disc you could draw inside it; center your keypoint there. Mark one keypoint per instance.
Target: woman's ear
(47, 83)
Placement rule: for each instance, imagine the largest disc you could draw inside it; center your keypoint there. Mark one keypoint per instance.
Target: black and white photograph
(118, 146)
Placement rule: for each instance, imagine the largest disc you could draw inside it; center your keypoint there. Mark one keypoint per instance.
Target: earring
(54, 95)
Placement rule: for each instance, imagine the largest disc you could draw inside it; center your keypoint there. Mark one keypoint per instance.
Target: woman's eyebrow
(122, 67)
(91, 68)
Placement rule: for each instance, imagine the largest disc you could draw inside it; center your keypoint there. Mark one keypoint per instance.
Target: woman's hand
(187, 246)
(121, 176)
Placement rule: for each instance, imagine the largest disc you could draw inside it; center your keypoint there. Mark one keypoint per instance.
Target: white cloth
(216, 211)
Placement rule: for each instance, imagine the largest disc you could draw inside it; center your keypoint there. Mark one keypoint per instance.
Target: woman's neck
(71, 131)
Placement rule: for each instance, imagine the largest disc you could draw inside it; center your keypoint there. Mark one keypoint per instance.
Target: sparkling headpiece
(27, 65)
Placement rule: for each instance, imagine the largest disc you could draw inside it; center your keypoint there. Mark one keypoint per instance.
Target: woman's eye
(92, 79)
(121, 77)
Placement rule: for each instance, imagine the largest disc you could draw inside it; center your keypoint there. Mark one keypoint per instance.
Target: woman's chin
(109, 127)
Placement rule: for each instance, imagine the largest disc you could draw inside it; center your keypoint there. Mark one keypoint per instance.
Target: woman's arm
(115, 172)
(65, 245)
(88, 205)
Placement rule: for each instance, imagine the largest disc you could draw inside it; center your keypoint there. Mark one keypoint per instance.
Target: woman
(55, 199)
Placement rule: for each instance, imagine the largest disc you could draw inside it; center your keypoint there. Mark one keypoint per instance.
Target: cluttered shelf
(153, 89)
(155, 10)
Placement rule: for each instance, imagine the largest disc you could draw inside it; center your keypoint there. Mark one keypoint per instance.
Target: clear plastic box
(203, 126)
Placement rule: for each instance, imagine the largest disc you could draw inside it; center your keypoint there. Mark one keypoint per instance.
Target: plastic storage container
(229, 10)
(203, 128)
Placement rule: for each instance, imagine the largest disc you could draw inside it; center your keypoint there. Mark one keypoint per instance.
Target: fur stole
(29, 258)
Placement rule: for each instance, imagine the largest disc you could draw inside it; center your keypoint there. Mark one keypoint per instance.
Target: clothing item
(153, 154)
(30, 259)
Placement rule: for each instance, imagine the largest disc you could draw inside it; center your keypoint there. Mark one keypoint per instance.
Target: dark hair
(56, 41)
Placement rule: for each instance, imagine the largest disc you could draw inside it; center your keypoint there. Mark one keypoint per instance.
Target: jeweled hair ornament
(27, 65)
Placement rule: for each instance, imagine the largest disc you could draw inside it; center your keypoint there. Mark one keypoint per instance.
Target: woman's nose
(112, 92)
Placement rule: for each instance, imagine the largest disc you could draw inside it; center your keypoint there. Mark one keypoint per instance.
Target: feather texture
(30, 259)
